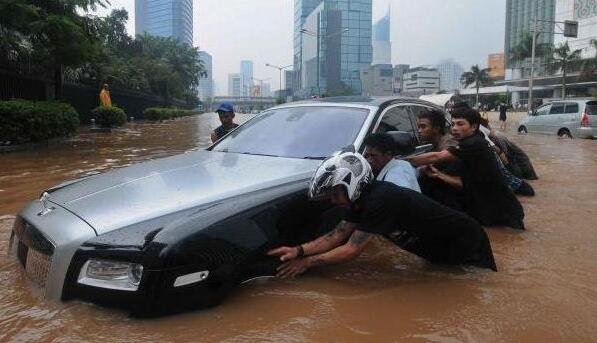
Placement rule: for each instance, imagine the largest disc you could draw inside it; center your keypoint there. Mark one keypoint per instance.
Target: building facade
(336, 43)
(421, 80)
(288, 82)
(377, 80)
(382, 46)
(206, 83)
(165, 18)
(449, 75)
(302, 9)
(496, 65)
(585, 12)
(235, 85)
(246, 72)
(399, 71)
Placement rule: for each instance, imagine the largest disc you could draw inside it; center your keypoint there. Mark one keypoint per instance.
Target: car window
(396, 119)
(591, 108)
(543, 110)
(557, 109)
(297, 132)
(571, 108)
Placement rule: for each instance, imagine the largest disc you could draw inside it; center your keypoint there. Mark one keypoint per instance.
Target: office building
(206, 83)
(336, 43)
(377, 80)
(302, 9)
(235, 85)
(399, 71)
(165, 18)
(289, 82)
(495, 63)
(585, 12)
(382, 46)
(246, 72)
(421, 80)
(449, 75)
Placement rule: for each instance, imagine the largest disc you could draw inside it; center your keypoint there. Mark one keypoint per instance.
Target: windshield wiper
(251, 153)
(314, 158)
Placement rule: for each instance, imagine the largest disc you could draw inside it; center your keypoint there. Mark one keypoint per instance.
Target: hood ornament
(44, 202)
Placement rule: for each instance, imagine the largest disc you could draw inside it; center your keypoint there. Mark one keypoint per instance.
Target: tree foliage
(562, 59)
(477, 76)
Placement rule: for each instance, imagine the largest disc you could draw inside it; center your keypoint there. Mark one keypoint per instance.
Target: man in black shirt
(226, 113)
(434, 232)
(487, 196)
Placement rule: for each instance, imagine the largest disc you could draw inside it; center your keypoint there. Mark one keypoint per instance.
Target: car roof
(580, 101)
(376, 101)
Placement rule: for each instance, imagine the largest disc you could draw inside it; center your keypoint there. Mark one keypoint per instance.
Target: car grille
(33, 251)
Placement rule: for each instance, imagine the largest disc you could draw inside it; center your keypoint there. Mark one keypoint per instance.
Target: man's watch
(300, 251)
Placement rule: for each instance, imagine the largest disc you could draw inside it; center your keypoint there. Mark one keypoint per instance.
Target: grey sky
(423, 32)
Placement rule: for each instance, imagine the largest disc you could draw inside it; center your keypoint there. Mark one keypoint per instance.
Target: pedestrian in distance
(436, 233)
(226, 114)
(503, 108)
(487, 196)
(104, 96)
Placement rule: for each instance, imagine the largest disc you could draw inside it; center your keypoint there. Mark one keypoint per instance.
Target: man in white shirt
(380, 149)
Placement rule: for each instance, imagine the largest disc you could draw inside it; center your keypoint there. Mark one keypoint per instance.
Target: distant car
(179, 233)
(565, 118)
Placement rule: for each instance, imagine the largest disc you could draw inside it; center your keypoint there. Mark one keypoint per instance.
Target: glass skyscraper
(206, 83)
(382, 47)
(246, 72)
(165, 18)
(334, 44)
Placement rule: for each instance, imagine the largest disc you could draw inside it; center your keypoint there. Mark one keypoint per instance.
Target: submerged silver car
(178, 233)
(565, 118)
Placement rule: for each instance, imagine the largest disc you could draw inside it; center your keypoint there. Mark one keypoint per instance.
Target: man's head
(379, 150)
(431, 126)
(465, 122)
(226, 113)
(106, 86)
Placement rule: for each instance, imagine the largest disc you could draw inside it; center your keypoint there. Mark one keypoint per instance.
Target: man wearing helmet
(434, 232)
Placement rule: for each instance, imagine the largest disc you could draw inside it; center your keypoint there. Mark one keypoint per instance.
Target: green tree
(477, 76)
(563, 59)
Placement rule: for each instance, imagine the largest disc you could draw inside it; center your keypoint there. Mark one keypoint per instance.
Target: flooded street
(545, 290)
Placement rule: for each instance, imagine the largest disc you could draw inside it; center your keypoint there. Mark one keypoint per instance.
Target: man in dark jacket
(226, 114)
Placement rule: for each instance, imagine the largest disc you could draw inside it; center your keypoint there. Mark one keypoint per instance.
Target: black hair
(436, 119)
(471, 115)
(382, 142)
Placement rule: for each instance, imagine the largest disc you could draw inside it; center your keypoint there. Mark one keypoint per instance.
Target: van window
(591, 108)
(543, 110)
(571, 108)
(557, 109)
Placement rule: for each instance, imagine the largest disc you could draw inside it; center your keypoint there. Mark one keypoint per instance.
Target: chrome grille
(33, 251)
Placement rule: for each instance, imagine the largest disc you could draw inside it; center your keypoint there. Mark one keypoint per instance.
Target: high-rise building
(399, 71)
(289, 82)
(377, 80)
(495, 63)
(165, 18)
(235, 85)
(421, 80)
(449, 75)
(302, 9)
(585, 12)
(335, 45)
(246, 72)
(382, 46)
(266, 89)
(520, 17)
(206, 83)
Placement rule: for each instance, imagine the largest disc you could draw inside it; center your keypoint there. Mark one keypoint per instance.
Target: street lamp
(279, 69)
(318, 36)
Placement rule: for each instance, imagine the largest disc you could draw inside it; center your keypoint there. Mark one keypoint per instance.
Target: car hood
(152, 189)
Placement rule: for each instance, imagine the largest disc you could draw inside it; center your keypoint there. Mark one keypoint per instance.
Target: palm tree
(478, 76)
(562, 59)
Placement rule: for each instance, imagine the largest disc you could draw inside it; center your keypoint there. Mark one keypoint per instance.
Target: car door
(398, 118)
(553, 121)
(536, 122)
(570, 119)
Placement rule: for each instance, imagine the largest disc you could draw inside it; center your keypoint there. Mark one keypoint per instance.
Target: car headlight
(117, 275)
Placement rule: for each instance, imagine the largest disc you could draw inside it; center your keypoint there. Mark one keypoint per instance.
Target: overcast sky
(423, 32)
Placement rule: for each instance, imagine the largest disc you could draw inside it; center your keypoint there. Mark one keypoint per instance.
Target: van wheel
(523, 129)
(564, 133)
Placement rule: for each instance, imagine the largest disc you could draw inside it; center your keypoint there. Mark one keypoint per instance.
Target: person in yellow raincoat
(104, 96)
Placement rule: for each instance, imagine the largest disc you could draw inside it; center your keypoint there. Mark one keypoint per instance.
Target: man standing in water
(226, 114)
(436, 233)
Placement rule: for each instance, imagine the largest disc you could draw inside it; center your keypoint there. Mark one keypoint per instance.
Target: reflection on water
(544, 291)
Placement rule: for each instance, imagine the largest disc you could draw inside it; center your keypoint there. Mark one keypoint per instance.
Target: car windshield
(297, 132)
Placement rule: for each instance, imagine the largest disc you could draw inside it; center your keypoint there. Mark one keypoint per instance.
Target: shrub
(24, 121)
(109, 116)
(157, 113)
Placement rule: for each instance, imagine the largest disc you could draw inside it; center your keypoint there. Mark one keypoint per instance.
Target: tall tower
(382, 46)
(246, 72)
(165, 18)
(206, 89)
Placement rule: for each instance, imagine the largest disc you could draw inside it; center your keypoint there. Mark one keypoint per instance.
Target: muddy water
(545, 290)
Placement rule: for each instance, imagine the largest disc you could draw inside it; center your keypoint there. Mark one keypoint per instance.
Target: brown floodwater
(545, 291)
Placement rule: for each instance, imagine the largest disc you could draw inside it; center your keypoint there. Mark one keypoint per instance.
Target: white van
(565, 118)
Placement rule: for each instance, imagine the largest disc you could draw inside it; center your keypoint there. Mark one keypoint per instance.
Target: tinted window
(396, 119)
(591, 108)
(543, 110)
(571, 108)
(297, 132)
(556, 109)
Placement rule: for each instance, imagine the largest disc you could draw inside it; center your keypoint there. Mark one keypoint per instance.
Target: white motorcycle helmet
(348, 169)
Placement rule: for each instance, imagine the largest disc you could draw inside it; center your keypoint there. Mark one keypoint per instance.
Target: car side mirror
(405, 142)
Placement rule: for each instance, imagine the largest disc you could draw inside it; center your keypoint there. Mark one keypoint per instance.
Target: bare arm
(346, 252)
(214, 137)
(432, 157)
(454, 181)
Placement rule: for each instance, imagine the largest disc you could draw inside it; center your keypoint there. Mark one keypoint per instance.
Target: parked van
(565, 118)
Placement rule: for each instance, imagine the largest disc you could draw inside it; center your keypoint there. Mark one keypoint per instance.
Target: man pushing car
(434, 232)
